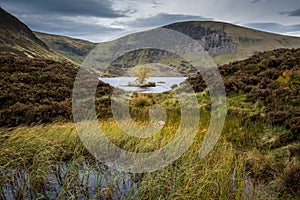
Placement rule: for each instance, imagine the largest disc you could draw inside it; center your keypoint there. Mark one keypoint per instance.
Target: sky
(104, 20)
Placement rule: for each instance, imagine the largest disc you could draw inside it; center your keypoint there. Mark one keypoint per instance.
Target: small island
(142, 73)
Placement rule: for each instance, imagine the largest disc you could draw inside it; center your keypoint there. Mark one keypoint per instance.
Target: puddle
(84, 181)
(253, 190)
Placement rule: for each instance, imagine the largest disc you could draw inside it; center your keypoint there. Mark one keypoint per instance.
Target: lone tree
(142, 73)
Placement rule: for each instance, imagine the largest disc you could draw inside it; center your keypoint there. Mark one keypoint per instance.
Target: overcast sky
(103, 20)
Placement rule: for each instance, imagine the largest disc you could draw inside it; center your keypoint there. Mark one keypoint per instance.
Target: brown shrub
(38, 91)
(292, 180)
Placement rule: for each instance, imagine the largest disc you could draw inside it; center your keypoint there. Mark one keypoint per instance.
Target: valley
(43, 156)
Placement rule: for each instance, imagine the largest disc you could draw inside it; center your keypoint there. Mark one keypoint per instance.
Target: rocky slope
(214, 41)
(227, 42)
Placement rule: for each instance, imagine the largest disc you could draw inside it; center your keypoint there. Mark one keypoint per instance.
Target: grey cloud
(155, 4)
(73, 28)
(164, 19)
(294, 13)
(97, 8)
(255, 1)
(274, 27)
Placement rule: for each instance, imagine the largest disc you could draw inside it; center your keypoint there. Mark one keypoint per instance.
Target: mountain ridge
(225, 42)
(248, 41)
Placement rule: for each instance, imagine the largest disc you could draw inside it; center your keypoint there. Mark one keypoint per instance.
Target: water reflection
(163, 84)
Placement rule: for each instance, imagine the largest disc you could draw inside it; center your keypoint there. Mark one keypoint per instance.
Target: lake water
(163, 84)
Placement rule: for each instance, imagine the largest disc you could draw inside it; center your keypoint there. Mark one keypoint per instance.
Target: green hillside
(74, 49)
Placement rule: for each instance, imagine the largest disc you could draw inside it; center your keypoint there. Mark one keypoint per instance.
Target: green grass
(224, 58)
(221, 175)
(248, 161)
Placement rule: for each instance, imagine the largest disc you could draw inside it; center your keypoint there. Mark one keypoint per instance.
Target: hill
(17, 39)
(224, 42)
(270, 84)
(227, 42)
(36, 83)
(39, 91)
(74, 49)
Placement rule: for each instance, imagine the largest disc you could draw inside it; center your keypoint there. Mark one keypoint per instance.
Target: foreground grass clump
(218, 176)
(29, 154)
(34, 160)
(24, 146)
(49, 161)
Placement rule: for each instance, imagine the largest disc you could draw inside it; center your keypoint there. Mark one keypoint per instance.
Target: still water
(163, 84)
